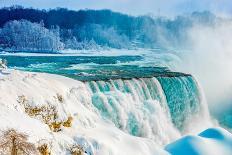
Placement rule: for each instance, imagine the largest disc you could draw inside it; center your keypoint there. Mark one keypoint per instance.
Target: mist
(210, 61)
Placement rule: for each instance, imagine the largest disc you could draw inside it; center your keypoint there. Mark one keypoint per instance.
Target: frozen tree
(14, 143)
(73, 43)
(24, 35)
(104, 36)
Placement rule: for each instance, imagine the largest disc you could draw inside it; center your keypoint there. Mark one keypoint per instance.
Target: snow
(213, 141)
(96, 135)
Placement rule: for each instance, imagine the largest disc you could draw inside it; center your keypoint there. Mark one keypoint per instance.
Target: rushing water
(137, 106)
(87, 68)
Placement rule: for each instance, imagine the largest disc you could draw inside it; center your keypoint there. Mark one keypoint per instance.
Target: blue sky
(133, 7)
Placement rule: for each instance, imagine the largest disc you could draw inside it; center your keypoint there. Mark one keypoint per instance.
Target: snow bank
(213, 141)
(88, 129)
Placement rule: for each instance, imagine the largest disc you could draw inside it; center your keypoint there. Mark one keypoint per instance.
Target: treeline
(56, 29)
(24, 35)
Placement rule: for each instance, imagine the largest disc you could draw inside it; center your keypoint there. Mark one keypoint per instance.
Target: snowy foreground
(28, 99)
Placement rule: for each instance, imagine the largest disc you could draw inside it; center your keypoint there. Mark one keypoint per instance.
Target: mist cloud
(210, 60)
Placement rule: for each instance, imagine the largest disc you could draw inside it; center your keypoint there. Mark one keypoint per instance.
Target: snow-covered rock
(213, 141)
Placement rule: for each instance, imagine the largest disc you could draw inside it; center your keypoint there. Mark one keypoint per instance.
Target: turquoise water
(87, 68)
(183, 98)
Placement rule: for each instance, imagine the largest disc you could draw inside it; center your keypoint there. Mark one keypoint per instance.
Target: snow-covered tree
(73, 43)
(104, 36)
(24, 35)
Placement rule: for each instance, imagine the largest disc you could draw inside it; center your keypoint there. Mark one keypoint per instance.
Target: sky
(133, 7)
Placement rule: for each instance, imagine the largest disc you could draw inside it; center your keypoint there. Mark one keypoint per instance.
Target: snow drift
(212, 141)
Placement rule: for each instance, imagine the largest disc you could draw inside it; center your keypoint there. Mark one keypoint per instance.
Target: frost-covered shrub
(46, 113)
(55, 126)
(77, 150)
(60, 98)
(14, 143)
(44, 149)
(68, 122)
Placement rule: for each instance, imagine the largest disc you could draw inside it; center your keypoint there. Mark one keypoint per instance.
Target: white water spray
(210, 61)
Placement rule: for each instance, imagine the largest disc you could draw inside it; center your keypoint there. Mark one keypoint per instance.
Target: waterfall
(137, 106)
(155, 108)
(183, 98)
